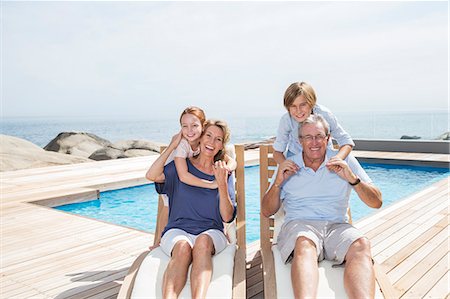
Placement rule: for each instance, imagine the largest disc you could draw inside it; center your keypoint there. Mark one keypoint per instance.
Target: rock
(16, 153)
(445, 136)
(410, 137)
(77, 144)
(253, 145)
(126, 149)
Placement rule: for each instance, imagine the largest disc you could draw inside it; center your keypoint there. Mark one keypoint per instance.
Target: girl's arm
(231, 163)
(156, 171)
(188, 178)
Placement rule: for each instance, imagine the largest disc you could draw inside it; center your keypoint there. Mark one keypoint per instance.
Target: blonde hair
(226, 135)
(297, 89)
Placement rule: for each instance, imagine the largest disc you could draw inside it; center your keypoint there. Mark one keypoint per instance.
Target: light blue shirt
(320, 195)
(287, 134)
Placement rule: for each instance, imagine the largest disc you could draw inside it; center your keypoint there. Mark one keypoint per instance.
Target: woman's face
(300, 109)
(212, 141)
(191, 127)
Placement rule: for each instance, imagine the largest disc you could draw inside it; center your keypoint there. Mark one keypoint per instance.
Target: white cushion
(331, 280)
(148, 281)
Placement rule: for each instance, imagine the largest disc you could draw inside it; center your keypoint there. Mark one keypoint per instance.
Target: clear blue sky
(152, 59)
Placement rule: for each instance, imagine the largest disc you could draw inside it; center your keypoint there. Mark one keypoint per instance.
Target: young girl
(185, 144)
(300, 102)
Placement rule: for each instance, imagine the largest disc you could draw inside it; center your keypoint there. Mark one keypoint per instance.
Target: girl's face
(191, 127)
(212, 141)
(300, 109)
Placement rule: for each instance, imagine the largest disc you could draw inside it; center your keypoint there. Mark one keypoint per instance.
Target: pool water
(136, 206)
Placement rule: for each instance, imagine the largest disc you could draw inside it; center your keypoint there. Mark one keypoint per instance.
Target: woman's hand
(221, 173)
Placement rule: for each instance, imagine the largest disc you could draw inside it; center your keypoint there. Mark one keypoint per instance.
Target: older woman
(194, 232)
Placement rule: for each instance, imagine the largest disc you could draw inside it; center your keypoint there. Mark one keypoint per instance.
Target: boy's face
(300, 109)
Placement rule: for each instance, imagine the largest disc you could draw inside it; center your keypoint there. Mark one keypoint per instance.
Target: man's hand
(342, 169)
(286, 169)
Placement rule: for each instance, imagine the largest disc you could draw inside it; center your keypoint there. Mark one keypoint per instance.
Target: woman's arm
(190, 179)
(225, 205)
(156, 171)
(163, 219)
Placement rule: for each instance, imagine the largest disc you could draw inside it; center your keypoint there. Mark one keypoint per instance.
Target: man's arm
(271, 201)
(368, 193)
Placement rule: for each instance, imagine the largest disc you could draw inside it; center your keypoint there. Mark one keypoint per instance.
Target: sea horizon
(428, 125)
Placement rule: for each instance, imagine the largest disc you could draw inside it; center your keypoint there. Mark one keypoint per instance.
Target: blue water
(382, 125)
(136, 207)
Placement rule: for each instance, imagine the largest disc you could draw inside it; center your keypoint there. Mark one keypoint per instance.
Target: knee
(360, 249)
(304, 246)
(203, 245)
(182, 251)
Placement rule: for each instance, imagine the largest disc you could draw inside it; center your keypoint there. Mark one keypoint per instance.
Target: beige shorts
(332, 240)
(174, 235)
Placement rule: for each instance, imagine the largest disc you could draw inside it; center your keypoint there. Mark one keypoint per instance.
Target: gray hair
(314, 119)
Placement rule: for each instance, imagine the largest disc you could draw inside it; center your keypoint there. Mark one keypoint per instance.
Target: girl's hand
(221, 173)
(213, 185)
(176, 139)
(153, 247)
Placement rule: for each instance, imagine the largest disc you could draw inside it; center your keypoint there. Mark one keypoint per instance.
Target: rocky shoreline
(79, 147)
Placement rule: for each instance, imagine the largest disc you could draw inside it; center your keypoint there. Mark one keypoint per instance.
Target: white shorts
(172, 236)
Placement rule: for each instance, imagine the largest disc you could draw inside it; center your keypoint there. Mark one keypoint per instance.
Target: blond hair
(297, 89)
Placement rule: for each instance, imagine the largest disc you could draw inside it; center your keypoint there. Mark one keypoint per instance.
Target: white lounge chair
(277, 274)
(144, 279)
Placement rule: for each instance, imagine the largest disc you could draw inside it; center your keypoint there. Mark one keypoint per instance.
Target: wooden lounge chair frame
(267, 169)
(239, 283)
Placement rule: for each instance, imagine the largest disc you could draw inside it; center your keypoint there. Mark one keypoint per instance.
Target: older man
(315, 192)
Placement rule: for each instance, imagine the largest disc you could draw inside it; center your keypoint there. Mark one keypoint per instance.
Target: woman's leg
(201, 271)
(176, 272)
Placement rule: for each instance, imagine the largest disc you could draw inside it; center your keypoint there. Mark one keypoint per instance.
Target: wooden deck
(47, 253)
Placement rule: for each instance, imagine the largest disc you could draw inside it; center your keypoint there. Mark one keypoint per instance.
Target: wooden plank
(430, 279)
(421, 267)
(440, 289)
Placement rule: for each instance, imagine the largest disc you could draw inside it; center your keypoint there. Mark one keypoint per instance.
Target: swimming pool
(136, 206)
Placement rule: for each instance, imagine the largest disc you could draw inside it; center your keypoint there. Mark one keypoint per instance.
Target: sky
(153, 59)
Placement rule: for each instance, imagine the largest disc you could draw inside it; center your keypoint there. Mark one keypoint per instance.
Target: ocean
(374, 125)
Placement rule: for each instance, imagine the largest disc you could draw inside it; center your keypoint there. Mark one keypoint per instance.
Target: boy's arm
(278, 157)
(190, 179)
(156, 171)
(344, 151)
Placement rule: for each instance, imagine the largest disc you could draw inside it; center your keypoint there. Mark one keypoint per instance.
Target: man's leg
(201, 271)
(304, 271)
(359, 275)
(175, 275)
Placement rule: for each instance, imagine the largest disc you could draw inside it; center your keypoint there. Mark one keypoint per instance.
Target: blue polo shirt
(192, 209)
(318, 195)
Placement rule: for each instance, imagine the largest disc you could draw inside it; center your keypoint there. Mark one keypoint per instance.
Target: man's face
(314, 141)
